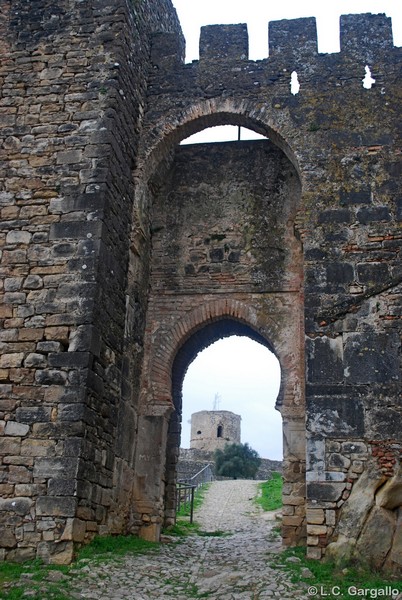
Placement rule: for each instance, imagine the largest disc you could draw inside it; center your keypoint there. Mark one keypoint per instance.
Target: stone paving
(232, 566)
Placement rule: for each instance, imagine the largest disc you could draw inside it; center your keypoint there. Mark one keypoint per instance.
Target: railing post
(192, 504)
(187, 487)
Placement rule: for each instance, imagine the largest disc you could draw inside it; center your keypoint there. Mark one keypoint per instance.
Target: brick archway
(204, 334)
(175, 349)
(167, 344)
(162, 135)
(224, 250)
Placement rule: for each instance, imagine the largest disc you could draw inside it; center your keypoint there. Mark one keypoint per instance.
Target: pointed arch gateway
(222, 324)
(226, 258)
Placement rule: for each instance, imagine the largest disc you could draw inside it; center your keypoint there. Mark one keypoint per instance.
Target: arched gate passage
(225, 258)
(201, 338)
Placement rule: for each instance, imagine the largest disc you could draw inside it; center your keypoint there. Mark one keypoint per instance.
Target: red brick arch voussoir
(167, 344)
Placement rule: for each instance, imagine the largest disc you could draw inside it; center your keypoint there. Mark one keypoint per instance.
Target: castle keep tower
(212, 429)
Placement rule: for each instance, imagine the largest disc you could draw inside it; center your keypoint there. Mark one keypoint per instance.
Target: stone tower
(212, 429)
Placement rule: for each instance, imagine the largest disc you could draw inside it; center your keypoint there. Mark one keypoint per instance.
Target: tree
(237, 460)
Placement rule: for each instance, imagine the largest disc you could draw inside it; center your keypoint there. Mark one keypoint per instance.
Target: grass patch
(50, 592)
(17, 578)
(217, 533)
(271, 493)
(114, 546)
(33, 575)
(275, 533)
(182, 527)
(334, 581)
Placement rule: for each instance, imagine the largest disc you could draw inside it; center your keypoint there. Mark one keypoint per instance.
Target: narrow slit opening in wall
(294, 83)
(368, 80)
(223, 133)
(247, 377)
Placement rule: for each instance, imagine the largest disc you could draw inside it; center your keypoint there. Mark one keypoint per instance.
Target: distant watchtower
(212, 429)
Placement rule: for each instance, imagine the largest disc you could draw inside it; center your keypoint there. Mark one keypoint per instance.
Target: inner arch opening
(242, 376)
(156, 151)
(202, 339)
(222, 133)
(223, 329)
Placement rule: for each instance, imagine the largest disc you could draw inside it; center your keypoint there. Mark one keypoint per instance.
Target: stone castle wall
(191, 461)
(105, 301)
(73, 79)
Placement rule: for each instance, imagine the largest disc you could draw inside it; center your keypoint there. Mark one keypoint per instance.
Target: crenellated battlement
(295, 37)
(362, 36)
(224, 42)
(366, 34)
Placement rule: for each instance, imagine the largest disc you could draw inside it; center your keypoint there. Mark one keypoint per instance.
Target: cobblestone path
(232, 566)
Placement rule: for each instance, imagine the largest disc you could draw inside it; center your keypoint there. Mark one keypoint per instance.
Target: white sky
(237, 369)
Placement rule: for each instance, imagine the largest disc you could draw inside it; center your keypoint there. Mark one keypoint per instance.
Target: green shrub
(237, 460)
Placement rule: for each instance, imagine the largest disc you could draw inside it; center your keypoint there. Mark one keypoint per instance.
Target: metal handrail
(185, 495)
(186, 488)
(205, 475)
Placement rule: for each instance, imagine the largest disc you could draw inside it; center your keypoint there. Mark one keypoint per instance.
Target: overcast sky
(244, 374)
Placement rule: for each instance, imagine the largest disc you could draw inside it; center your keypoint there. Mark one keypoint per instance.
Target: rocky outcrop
(369, 529)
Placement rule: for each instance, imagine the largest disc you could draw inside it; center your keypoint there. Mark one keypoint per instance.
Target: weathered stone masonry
(73, 80)
(123, 255)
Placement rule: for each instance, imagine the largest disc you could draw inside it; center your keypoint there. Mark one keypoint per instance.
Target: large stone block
(75, 230)
(55, 467)
(62, 487)
(11, 360)
(324, 359)
(33, 414)
(20, 506)
(7, 537)
(57, 553)
(18, 237)
(56, 506)
(372, 357)
(373, 273)
(10, 446)
(325, 491)
(38, 447)
(16, 429)
(336, 416)
(315, 516)
(75, 530)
